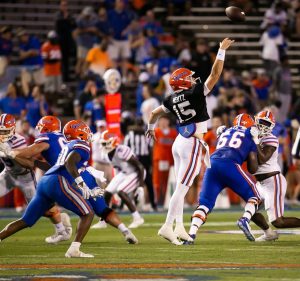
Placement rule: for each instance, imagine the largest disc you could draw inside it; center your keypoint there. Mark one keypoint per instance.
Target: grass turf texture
(213, 257)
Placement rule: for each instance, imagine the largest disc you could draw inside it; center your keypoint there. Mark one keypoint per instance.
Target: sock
(75, 245)
(59, 227)
(122, 227)
(250, 208)
(136, 215)
(198, 218)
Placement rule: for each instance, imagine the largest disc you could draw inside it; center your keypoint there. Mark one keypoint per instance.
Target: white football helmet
(7, 127)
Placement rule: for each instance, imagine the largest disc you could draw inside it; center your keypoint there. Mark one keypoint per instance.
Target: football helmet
(243, 120)
(48, 124)
(265, 122)
(182, 79)
(108, 141)
(7, 127)
(77, 129)
(112, 80)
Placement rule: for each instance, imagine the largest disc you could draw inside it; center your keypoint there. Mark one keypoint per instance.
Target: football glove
(254, 133)
(220, 130)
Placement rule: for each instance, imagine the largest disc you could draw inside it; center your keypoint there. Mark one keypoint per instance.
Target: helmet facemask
(264, 126)
(6, 133)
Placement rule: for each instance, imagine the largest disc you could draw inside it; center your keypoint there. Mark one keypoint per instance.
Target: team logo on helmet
(243, 120)
(77, 129)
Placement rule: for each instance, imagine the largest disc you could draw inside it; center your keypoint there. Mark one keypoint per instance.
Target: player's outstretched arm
(155, 114)
(218, 64)
(32, 150)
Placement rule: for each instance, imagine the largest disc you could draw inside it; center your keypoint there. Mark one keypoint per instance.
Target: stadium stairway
(210, 23)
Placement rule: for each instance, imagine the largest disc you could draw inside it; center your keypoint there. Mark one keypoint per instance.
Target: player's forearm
(44, 166)
(217, 67)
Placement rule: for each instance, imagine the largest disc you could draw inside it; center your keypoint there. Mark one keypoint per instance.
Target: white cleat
(130, 238)
(167, 233)
(58, 237)
(182, 234)
(65, 219)
(76, 253)
(136, 223)
(268, 237)
(99, 225)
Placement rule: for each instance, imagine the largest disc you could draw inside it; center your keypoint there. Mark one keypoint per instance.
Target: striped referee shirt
(296, 146)
(138, 142)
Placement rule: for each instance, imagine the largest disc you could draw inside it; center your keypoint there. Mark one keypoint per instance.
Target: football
(235, 14)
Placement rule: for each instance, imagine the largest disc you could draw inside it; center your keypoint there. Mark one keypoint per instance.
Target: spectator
(201, 61)
(36, 107)
(149, 103)
(276, 15)
(271, 40)
(13, 103)
(94, 109)
(282, 85)
(84, 97)
(162, 157)
(99, 157)
(64, 26)
(152, 28)
(143, 82)
(261, 85)
(31, 59)
(98, 60)
(120, 20)
(51, 54)
(6, 48)
(103, 24)
(86, 35)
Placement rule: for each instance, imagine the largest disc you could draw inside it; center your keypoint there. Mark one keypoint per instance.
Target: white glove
(86, 192)
(254, 133)
(97, 191)
(220, 130)
(6, 149)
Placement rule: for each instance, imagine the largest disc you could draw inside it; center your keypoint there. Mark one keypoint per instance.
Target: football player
(235, 145)
(272, 183)
(62, 184)
(188, 105)
(49, 144)
(130, 174)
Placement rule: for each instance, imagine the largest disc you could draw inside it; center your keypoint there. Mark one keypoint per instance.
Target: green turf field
(214, 256)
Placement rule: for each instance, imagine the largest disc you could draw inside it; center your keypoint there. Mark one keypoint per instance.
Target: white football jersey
(272, 164)
(120, 158)
(98, 154)
(12, 166)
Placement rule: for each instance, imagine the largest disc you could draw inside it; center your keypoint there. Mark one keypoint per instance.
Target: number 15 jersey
(235, 144)
(189, 106)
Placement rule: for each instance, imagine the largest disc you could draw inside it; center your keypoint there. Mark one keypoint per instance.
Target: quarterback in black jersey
(188, 105)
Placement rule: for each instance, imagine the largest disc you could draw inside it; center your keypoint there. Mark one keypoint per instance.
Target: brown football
(235, 14)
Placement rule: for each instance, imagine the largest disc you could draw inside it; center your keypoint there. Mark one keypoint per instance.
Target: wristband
(151, 126)
(79, 180)
(221, 55)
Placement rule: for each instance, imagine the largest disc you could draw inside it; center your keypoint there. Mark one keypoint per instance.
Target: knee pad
(106, 212)
(200, 213)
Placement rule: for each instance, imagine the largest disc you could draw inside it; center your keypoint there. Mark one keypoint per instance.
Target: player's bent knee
(106, 213)
(51, 213)
(278, 223)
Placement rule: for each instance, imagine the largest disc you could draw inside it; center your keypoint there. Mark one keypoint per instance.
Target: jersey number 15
(183, 113)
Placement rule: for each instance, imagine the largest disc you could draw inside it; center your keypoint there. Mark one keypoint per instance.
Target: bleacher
(205, 22)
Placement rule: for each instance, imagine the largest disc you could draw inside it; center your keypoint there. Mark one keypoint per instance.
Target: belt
(262, 177)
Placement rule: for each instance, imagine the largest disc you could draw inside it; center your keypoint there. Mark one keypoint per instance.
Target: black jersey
(189, 106)
(296, 146)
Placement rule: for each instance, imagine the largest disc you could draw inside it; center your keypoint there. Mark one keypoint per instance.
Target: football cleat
(99, 225)
(76, 253)
(129, 237)
(181, 233)
(268, 237)
(136, 223)
(167, 233)
(243, 224)
(58, 237)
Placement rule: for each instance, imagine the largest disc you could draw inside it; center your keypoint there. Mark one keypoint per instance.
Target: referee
(142, 148)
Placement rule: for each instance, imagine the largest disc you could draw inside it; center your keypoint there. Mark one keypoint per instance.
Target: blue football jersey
(80, 147)
(235, 144)
(56, 143)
